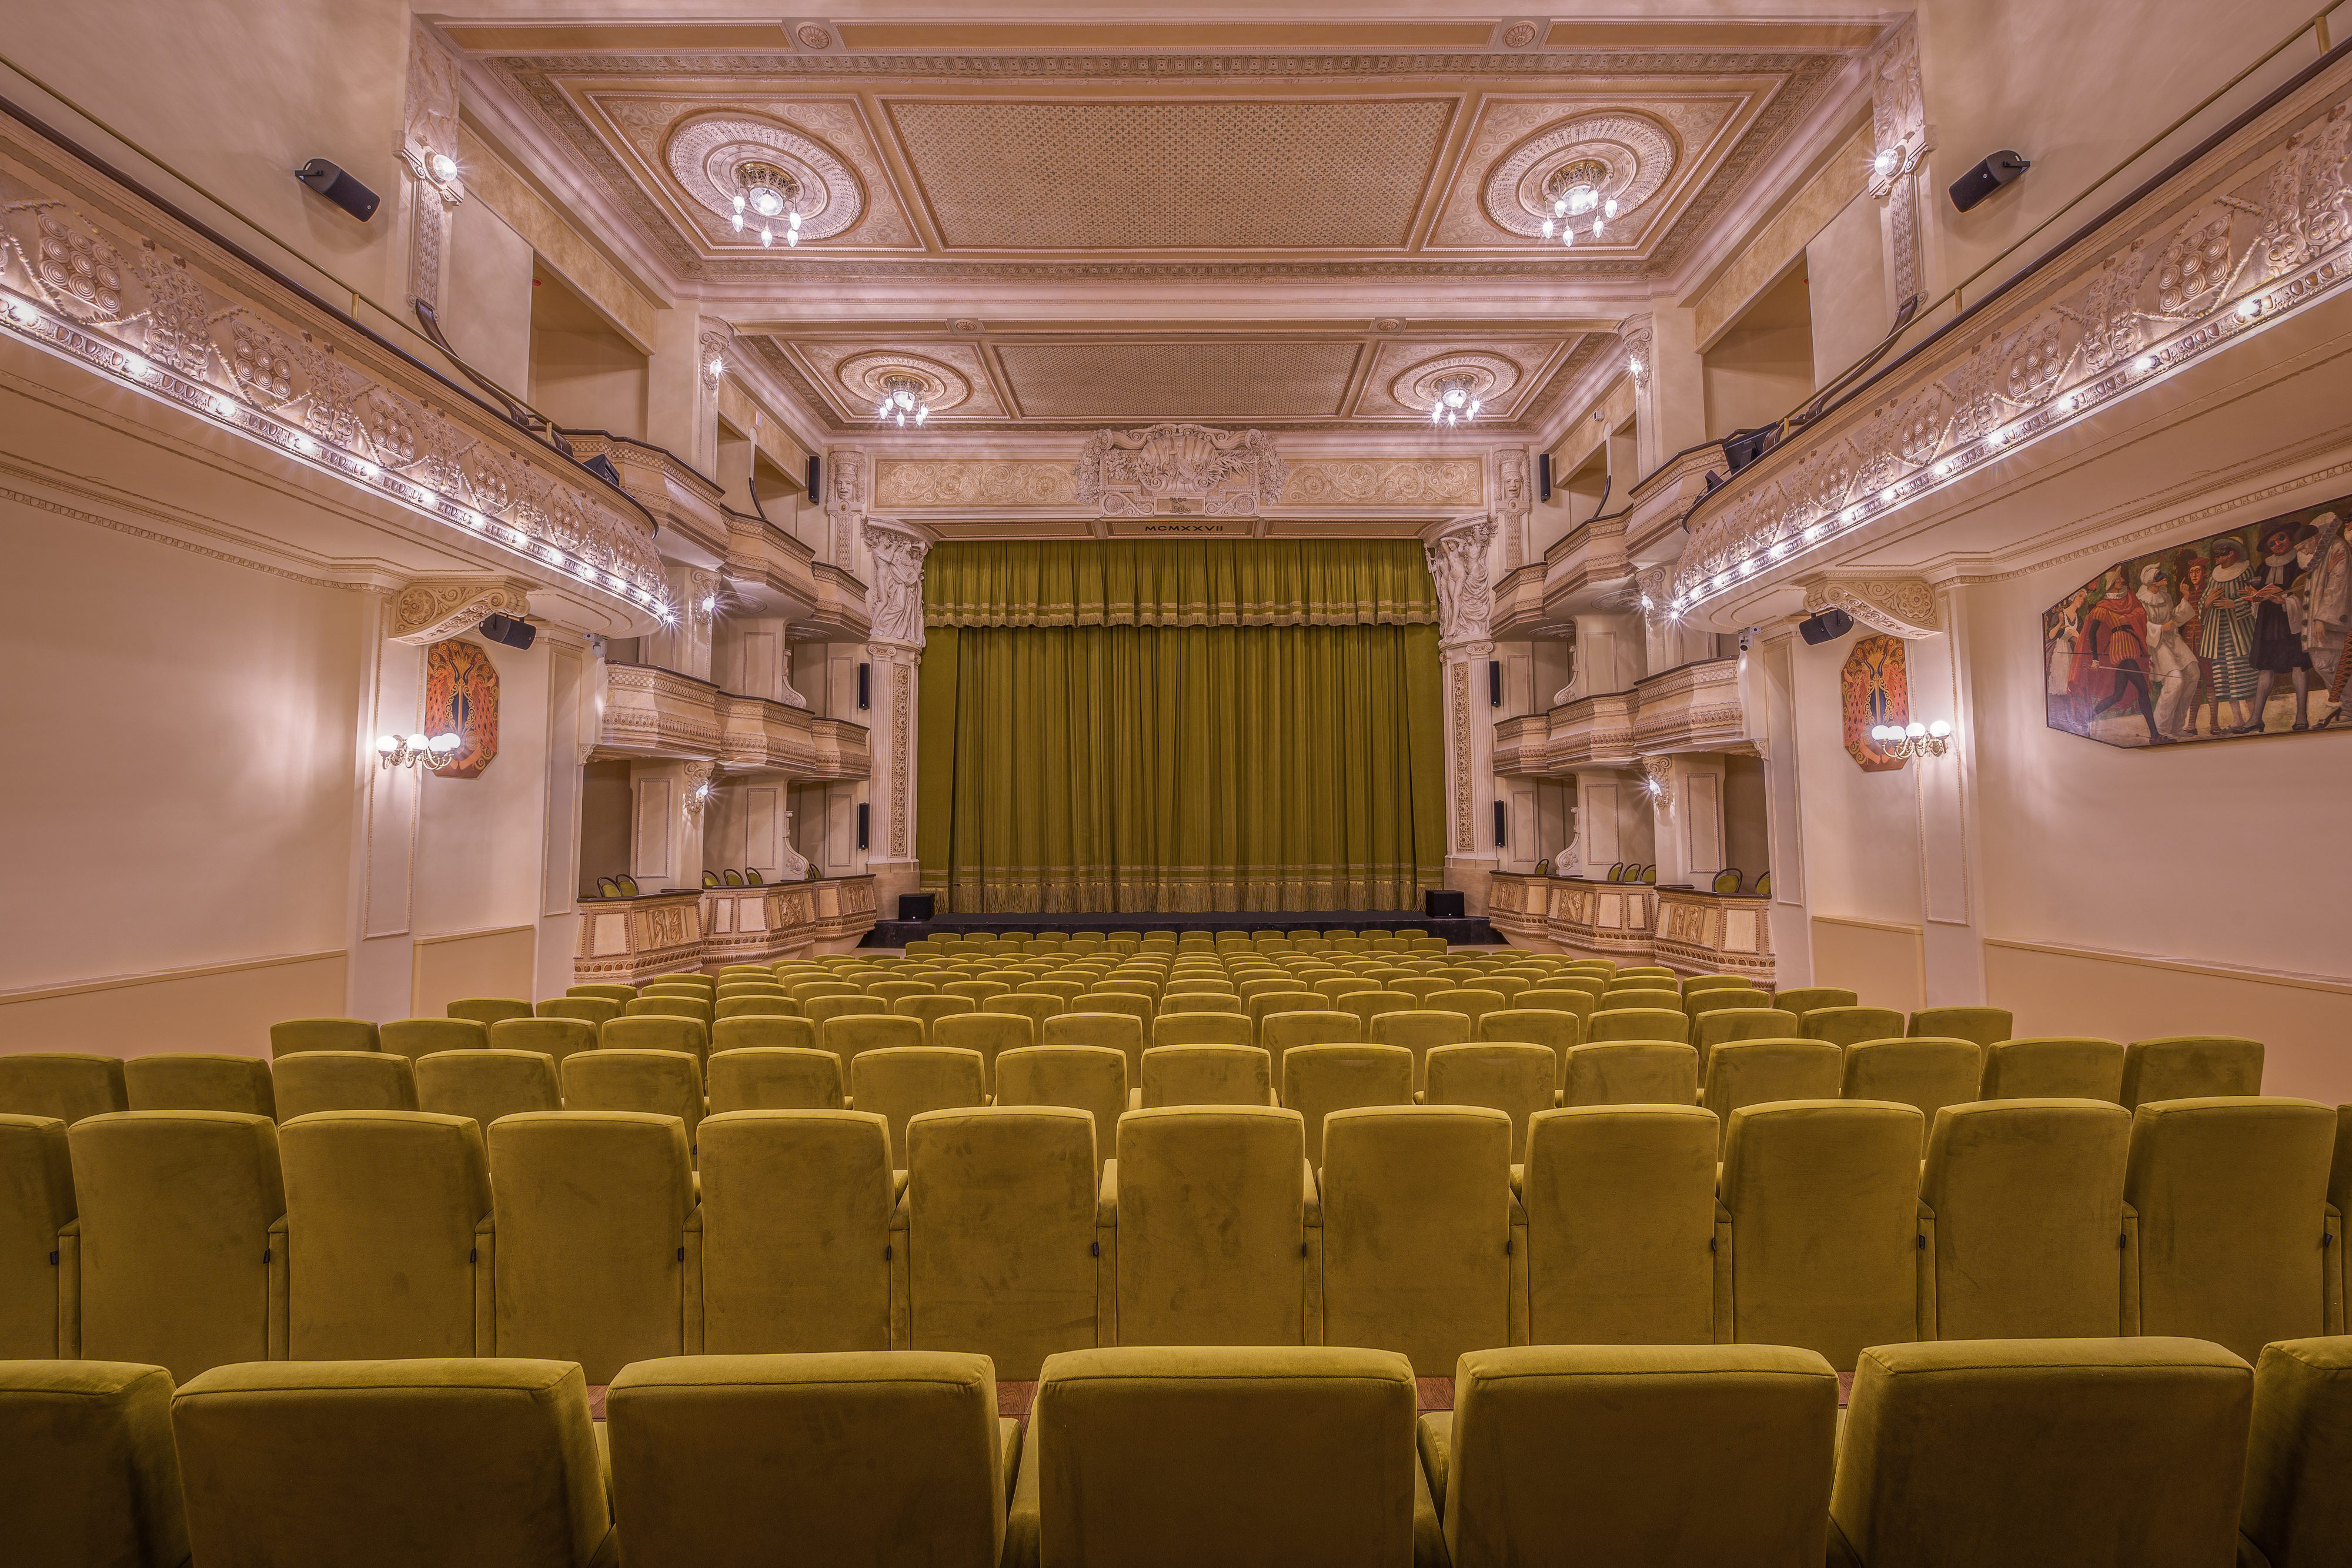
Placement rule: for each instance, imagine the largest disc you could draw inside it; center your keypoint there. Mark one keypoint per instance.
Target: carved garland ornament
(1899, 606)
(1179, 470)
(428, 613)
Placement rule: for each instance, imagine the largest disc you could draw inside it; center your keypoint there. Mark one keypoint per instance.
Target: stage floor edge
(1468, 932)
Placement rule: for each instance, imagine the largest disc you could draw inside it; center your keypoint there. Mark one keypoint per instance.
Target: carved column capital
(1658, 782)
(697, 778)
(1901, 606)
(714, 343)
(426, 613)
(1638, 339)
(428, 151)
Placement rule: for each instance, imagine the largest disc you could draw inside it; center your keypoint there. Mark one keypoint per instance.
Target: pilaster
(381, 946)
(1459, 555)
(894, 605)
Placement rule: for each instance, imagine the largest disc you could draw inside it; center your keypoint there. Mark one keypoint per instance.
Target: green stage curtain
(1167, 755)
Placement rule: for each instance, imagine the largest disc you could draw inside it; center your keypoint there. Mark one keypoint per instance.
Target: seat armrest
(486, 1296)
(1135, 1099)
(1923, 1294)
(70, 1291)
(898, 1186)
(1311, 1194)
(2331, 1270)
(2127, 1256)
(279, 1308)
(1022, 1516)
(1106, 1199)
(690, 1298)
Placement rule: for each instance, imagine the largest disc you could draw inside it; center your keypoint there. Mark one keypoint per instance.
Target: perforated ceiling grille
(1174, 175)
(1179, 381)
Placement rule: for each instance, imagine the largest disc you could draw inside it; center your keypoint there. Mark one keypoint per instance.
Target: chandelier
(1454, 400)
(903, 399)
(433, 752)
(766, 193)
(1576, 196)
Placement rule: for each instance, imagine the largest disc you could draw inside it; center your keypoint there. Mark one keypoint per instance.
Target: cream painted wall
(489, 315)
(1763, 367)
(1845, 269)
(584, 374)
(605, 808)
(1861, 830)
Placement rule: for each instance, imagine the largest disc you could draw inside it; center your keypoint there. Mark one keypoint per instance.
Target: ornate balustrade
(761, 736)
(632, 939)
(1694, 707)
(1702, 932)
(1715, 933)
(653, 712)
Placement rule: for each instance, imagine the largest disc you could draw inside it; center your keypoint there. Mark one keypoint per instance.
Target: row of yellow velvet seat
(2092, 1453)
(192, 1240)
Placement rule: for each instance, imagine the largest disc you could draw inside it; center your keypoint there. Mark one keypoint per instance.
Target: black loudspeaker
(331, 181)
(815, 473)
(1742, 447)
(601, 466)
(509, 631)
(1827, 627)
(1502, 823)
(1494, 683)
(863, 816)
(865, 686)
(917, 905)
(1987, 177)
(1438, 905)
(1543, 475)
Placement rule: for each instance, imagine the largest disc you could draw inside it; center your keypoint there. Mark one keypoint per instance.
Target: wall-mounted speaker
(1502, 823)
(917, 905)
(336, 183)
(864, 808)
(865, 686)
(815, 473)
(508, 630)
(1543, 475)
(1987, 177)
(1826, 627)
(1494, 683)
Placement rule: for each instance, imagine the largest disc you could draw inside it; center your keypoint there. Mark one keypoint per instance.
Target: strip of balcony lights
(2255, 312)
(28, 322)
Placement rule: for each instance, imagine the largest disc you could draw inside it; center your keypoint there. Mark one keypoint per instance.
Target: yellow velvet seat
(1418, 1222)
(900, 1082)
(1739, 999)
(1092, 1078)
(1120, 1031)
(1559, 1032)
(2235, 1234)
(657, 1004)
(757, 1032)
(1636, 998)
(343, 1081)
(488, 1010)
(39, 1271)
(2297, 1510)
(1205, 1000)
(775, 1078)
(478, 1463)
(1421, 1030)
(1472, 1001)
(1843, 1026)
(1205, 1075)
(236, 1084)
(701, 986)
(990, 1034)
(1726, 1025)
(1925, 1074)
(1610, 1022)
(1000, 1223)
(553, 1038)
(852, 1035)
(1817, 1227)
(1802, 999)
(1204, 1028)
(591, 1010)
(754, 1006)
(2020, 1206)
(610, 991)
(2089, 1453)
(323, 1034)
(413, 1038)
(1209, 1216)
(1258, 1457)
(808, 990)
(1585, 1454)
(979, 991)
(2053, 1068)
(1692, 985)
(1621, 1226)
(91, 1475)
(182, 1237)
(1630, 1072)
(2190, 1067)
(929, 1009)
(1986, 1025)
(823, 1011)
(392, 1256)
(593, 1216)
(485, 1085)
(1759, 1072)
(1515, 1079)
(66, 1086)
(839, 1458)
(1318, 1080)
(653, 1083)
(1322, 1025)
(796, 1213)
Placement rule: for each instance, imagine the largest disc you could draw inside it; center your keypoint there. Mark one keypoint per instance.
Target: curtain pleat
(1178, 582)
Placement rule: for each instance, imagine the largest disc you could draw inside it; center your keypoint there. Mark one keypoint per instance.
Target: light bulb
(1608, 207)
(444, 167)
(883, 410)
(739, 220)
(794, 217)
(922, 413)
(445, 742)
(2250, 308)
(766, 202)
(134, 366)
(792, 236)
(767, 235)
(1437, 413)
(710, 604)
(387, 744)
(1886, 160)
(1916, 730)
(2145, 362)
(718, 366)
(739, 204)
(1559, 206)
(1547, 228)
(1567, 236)
(1886, 497)
(1474, 406)
(1596, 228)
(1939, 729)
(419, 743)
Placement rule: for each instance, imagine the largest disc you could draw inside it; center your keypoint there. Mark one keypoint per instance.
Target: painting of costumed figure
(2238, 633)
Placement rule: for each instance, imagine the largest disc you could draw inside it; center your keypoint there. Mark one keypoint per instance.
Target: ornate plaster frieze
(1179, 470)
(704, 154)
(894, 600)
(1457, 563)
(1514, 497)
(94, 276)
(426, 613)
(1899, 606)
(2256, 230)
(903, 483)
(429, 137)
(1901, 136)
(1448, 481)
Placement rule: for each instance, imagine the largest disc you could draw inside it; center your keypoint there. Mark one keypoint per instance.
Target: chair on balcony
(607, 888)
(1617, 872)
(731, 877)
(710, 879)
(1728, 880)
(751, 877)
(628, 886)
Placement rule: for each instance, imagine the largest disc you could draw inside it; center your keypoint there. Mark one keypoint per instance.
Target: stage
(1463, 933)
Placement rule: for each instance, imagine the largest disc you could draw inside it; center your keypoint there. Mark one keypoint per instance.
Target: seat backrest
(1290, 1455)
(1320, 1025)
(1849, 1025)
(1984, 1025)
(592, 1210)
(1727, 998)
(1417, 1230)
(1082, 1077)
(775, 1078)
(1926, 1074)
(553, 1038)
(852, 1035)
(2021, 1209)
(1558, 1030)
(658, 1031)
(930, 1006)
(593, 1010)
(2053, 1068)
(183, 1262)
(65, 1085)
(656, 1003)
(91, 1475)
(1189, 1028)
(610, 991)
(1212, 1221)
(1420, 1030)
(298, 1461)
(990, 1034)
(237, 1084)
(1802, 999)
(1118, 1030)
(313, 1081)
(37, 1203)
(2297, 1508)
(1631, 1073)
(1709, 1029)
(488, 1010)
(997, 1194)
(382, 1211)
(1517, 1080)
(323, 1034)
(1207, 1075)
(413, 1038)
(2095, 1453)
(759, 1031)
(2230, 1195)
(1318, 1080)
(1615, 1423)
(1759, 1071)
(2190, 1067)
(796, 1211)
(754, 1005)
(1620, 1225)
(851, 1457)
(900, 1082)
(655, 1083)
(1370, 1005)
(488, 1084)
(1613, 1022)
(1822, 1202)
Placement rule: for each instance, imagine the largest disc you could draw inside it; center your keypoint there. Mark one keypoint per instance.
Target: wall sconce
(416, 751)
(1906, 741)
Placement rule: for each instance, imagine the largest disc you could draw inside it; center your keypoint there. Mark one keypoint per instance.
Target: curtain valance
(1178, 582)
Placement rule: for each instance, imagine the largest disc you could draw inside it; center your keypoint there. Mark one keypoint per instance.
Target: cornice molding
(1899, 606)
(426, 613)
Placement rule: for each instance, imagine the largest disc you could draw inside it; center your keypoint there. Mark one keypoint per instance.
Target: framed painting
(461, 698)
(1876, 685)
(2238, 633)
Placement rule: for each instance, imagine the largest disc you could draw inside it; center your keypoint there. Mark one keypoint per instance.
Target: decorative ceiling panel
(1262, 380)
(1174, 175)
